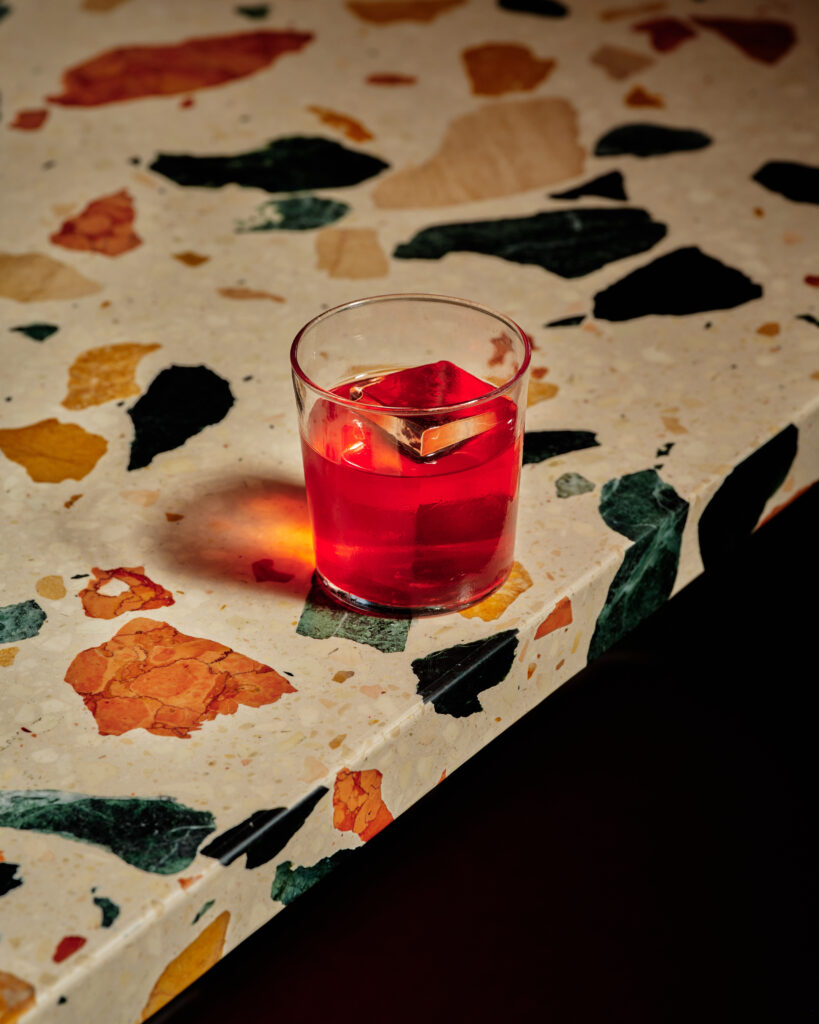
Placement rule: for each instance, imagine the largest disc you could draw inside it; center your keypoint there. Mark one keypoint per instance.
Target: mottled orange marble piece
(150, 676)
(196, 958)
(357, 803)
(498, 150)
(142, 593)
(106, 226)
(559, 616)
(351, 253)
(497, 68)
(348, 126)
(29, 120)
(383, 12)
(16, 997)
(102, 374)
(51, 451)
(130, 72)
(517, 582)
(33, 277)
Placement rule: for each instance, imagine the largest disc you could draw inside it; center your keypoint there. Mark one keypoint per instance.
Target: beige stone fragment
(540, 391)
(51, 587)
(140, 497)
(673, 425)
(102, 374)
(351, 253)
(498, 150)
(619, 62)
(33, 277)
(495, 605)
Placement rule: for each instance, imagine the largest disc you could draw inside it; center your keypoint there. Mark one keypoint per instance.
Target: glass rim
(403, 410)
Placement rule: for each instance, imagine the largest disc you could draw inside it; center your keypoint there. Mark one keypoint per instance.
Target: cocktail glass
(411, 413)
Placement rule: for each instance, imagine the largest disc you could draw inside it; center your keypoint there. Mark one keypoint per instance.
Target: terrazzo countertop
(190, 736)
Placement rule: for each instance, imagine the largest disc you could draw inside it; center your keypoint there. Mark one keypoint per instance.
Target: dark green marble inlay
(37, 332)
(300, 213)
(203, 910)
(322, 618)
(539, 445)
(570, 484)
(20, 621)
(733, 512)
(110, 911)
(155, 834)
(9, 878)
(291, 882)
(451, 679)
(569, 243)
(649, 140)
(254, 11)
(649, 512)
(290, 164)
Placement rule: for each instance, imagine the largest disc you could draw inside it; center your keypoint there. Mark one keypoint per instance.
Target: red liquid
(400, 531)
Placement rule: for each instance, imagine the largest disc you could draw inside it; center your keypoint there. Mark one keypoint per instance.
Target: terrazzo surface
(190, 734)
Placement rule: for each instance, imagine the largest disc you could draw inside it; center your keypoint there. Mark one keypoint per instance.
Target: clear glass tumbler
(411, 412)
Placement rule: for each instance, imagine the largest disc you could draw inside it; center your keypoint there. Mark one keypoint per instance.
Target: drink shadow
(249, 529)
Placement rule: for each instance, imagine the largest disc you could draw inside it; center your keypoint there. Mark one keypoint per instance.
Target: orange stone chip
(29, 120)
(51, 451)
(105, 226)
(102, 374)
(354, 130)
(150, 676)
(16, 996)
(495, 605)
(205, 951)
(497, 68)
(559, 616)
(142, 594)
(357, 803)
(129, 72)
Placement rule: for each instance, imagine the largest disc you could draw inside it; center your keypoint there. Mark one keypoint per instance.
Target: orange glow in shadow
(225, 531)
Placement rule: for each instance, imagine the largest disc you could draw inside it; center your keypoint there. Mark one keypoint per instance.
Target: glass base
(361, 604)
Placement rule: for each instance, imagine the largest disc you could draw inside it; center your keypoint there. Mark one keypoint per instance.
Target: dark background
(642, 847)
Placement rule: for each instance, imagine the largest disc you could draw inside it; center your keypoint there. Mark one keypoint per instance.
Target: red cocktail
(412, 482)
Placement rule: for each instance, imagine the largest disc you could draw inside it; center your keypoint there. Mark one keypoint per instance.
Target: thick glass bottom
(361, 604)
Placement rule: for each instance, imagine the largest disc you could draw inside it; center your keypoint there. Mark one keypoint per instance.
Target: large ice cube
(427, 387)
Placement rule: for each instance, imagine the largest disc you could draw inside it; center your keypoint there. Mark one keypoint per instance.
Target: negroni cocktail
(411, 470)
